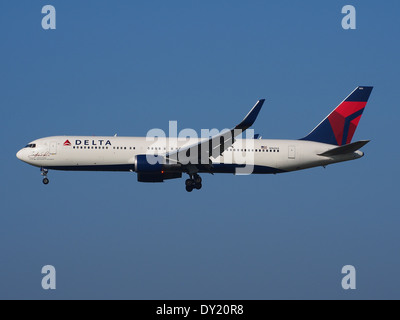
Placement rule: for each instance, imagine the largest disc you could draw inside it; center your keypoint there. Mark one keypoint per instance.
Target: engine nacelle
(143, 166)
(157, 172)
(158, 177)
(150, 177)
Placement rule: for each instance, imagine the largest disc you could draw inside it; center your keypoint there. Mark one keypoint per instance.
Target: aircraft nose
(19, 154)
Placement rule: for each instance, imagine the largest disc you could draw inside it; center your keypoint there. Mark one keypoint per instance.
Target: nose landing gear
(44, 174)
(193, 183)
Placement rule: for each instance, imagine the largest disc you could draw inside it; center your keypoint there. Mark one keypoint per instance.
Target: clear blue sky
(126, 67)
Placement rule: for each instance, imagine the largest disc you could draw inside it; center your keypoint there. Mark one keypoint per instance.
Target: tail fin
(339, 126)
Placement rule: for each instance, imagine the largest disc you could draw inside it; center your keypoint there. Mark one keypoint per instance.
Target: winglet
(251, 117)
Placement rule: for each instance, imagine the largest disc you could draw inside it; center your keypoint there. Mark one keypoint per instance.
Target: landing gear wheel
(189, 183)
(197, 179)
(193, 183)
(198, 186)
(44, 173)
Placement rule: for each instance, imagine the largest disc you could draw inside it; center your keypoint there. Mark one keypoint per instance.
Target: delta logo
(67, 143)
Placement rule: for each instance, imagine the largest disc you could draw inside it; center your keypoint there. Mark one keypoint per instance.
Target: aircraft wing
(201, 152)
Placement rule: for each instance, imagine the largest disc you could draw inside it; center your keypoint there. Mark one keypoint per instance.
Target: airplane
(167, 158)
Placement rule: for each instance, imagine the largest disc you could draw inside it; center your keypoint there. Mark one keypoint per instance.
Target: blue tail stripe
(361, 94)
(323, 133)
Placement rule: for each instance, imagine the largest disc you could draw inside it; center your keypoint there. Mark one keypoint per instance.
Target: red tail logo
(67, 143)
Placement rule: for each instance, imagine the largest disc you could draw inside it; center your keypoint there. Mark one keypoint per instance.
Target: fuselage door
(292, 152)
(53, 147)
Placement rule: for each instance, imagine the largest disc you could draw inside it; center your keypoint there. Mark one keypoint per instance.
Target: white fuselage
(119, 153)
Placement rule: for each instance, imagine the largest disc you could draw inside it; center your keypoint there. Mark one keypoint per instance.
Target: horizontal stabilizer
(348, 148)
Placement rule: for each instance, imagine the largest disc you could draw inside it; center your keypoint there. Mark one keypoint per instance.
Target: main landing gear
(193, 183)
(44, 174)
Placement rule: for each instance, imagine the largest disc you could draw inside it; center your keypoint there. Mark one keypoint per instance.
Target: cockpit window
(31, 145)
